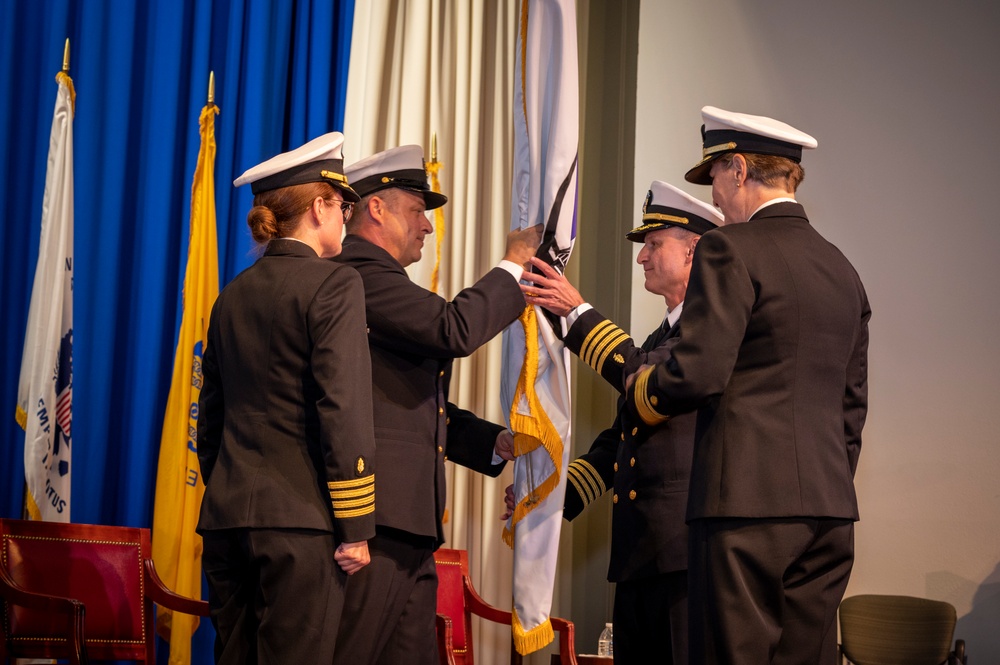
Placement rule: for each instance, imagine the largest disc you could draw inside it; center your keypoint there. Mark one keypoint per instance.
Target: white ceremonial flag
(535, 384)
(45, 389)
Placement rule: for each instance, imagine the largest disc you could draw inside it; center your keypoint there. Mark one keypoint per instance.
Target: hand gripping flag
(179, 489)
(535, 382)
(45, 389)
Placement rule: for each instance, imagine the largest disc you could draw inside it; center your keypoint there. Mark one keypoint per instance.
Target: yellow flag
(179, 488)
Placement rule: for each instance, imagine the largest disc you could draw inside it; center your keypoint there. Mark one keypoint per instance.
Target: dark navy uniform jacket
(648, 467)
(414, 334)
(774, 355)
(284, 428)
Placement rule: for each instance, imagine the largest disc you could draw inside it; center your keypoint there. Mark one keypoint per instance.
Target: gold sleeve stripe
(579, 489)
(608, 347)
(591, 473)
(360, 512)
(583, 488)
(350, 494)
(353, 503)
(589, 481)
(354, 482)
(599, 343)
(643, 406)
(598, 330)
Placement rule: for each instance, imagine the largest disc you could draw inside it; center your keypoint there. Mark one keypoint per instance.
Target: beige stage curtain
(421, 67)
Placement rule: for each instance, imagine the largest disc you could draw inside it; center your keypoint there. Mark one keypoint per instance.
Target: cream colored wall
(904, 98)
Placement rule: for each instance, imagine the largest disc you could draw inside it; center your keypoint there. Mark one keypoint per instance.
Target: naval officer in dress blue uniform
(773, 355)
(647, 467)
(414, 335)
(285, 438)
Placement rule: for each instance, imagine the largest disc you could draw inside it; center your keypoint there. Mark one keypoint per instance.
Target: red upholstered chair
(52, 574)
(457, 601)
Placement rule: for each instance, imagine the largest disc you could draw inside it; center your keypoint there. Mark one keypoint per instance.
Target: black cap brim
(701, 173)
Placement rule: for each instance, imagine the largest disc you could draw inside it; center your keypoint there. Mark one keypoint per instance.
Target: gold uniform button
(623, 436)
(440, 410)
(631, 462)
(441, 373)
(440, 449)
(614, 498)
(631, 495)
(447, 421)
(635, 430)
(654, 400)
(616, 466)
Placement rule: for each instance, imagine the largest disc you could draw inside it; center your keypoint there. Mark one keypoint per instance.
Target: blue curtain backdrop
(141, 74)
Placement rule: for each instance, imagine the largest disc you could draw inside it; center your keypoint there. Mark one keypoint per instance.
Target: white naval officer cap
(401, 167)
(319, 160)
(668, 206)
(726, 131)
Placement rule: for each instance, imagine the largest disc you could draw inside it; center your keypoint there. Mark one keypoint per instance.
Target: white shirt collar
(782, 199)
(673, 315)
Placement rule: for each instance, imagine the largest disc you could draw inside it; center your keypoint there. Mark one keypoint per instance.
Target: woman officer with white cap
(285, 426)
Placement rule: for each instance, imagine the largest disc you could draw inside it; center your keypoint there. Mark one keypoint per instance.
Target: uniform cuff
(514, 269)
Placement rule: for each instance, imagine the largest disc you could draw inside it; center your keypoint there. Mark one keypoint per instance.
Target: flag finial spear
(434, 147)
(66, 57)
(211, 87)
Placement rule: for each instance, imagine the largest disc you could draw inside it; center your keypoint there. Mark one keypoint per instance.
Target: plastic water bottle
(605, 643)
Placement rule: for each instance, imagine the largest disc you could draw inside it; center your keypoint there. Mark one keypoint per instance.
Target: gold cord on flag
(433, 167)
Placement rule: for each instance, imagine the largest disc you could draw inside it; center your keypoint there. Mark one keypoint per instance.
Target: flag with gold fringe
(45, 387)
(535, 387)
(179, 489)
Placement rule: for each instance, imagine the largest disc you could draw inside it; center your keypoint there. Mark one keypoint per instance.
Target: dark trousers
(651, 620)
(275, 595)
(767, 590)
(390, 605)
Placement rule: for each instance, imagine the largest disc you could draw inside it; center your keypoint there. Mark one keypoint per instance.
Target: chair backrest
(452, 569)
(101, 566)
(896, 630)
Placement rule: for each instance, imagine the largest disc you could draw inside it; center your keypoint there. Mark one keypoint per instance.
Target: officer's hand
(522, 244)
(631, 377)
(504, 446)
(550, 289)
(352, 557)
(508, 500)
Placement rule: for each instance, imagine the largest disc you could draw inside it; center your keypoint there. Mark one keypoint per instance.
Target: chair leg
(515, 657)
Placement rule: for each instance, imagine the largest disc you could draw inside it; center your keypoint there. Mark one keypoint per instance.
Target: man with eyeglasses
(414, 335)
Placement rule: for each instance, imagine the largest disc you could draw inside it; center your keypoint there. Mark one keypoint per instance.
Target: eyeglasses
(347, 208)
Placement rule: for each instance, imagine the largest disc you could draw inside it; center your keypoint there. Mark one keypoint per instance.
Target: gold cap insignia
(618, 359)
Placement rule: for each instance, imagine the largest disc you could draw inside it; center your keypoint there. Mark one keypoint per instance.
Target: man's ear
(691, 247)
(739, 166)
(376, 208)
